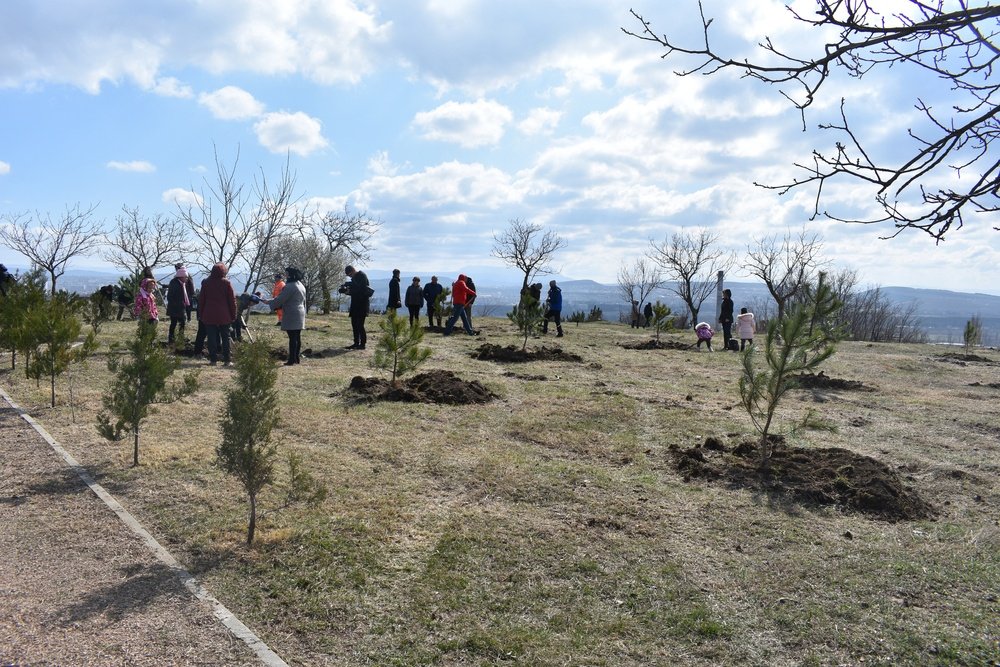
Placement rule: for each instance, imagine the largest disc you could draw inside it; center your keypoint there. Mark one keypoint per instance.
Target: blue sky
(445, 119)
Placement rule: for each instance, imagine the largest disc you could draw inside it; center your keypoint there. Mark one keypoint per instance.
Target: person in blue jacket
(553, 309)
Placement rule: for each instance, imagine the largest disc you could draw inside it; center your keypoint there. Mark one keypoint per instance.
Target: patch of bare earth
(78, 588)
(654, 344)
(810, 476)
(437, 386)
(823, 381)
(513, 354)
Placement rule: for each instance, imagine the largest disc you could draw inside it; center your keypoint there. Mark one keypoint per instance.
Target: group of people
(745, 326)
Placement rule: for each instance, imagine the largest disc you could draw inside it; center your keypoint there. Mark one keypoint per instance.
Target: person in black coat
(360, 292)
(178, 302)
(726, 318)
(431, 292)
(395, 301)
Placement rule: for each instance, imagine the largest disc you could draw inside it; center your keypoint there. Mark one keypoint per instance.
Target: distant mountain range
(943, 313)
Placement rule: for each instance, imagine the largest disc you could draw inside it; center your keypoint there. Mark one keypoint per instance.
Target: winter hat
(182, 272)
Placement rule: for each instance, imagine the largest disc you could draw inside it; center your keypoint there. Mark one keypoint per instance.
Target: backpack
(733, 345)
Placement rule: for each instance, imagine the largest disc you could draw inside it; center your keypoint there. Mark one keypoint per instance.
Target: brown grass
(548, 527)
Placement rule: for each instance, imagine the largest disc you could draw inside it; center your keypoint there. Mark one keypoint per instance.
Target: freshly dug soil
(822, 381)
(430, 387)
(654, 344)
(961, 358)
(823, 476)
(991, 385)
(512, 354)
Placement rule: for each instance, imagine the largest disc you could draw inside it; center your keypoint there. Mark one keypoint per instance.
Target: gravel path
(76, 586)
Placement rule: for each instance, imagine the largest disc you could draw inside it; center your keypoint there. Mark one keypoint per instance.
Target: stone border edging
(226, 617)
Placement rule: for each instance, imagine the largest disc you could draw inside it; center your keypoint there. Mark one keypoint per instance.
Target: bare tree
(347, 231)
(692, 260)
(868, 315)
(953, 41)
(786, 267)
(524, 246)
(51, 244)
(221, 228)
(638, 280)
(309, 253)
(139, 241)
(269, 221)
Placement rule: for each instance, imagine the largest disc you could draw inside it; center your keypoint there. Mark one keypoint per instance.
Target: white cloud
(540, 121)
(4, 168)
(231, 103)
(452, 184)
(181, 197)
(468, 124)
(138, 166)
(171, 87)
(296, 132)
(88, 44)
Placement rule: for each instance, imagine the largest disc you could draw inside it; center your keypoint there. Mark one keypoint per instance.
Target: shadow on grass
(142, 586)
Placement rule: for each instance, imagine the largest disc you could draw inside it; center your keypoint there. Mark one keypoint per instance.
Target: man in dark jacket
(431, 292)
(358, 290)
(217, 310)
(394, 302)
(468, 304)
(553, 310)
(726, 317)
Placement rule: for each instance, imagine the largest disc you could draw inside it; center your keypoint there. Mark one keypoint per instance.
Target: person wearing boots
(553, 309)
(361, 293)
(292, 300)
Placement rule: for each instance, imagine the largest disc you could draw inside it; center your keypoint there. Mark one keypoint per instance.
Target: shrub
(578, 316)
(527, 316)
(398, 350)
(54, 327)
(972, 336)
(596, 314)
(661, 318)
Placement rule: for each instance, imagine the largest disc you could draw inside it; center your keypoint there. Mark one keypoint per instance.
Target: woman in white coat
(292, 301)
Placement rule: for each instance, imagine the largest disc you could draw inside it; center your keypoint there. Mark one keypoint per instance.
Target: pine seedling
(139, 381)
(527, 316)
(972, 336)
(660, 319)
(250, 415)
(398, 350)
(796, 343)
(55, 327)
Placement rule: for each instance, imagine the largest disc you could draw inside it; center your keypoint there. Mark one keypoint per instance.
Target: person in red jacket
(460, 297)
(217, 310)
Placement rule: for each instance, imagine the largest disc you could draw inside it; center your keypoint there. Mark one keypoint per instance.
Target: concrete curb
(226, 617)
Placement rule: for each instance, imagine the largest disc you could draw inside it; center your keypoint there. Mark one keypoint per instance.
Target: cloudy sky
(445, 119)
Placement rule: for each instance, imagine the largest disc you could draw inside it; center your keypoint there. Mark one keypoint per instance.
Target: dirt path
(77, 587)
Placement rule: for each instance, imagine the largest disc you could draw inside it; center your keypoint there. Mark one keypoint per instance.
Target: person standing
(145, 301)
(745, 327)
(292, 300)
(217, 310)
(468, 304)
(394, 302)
(279, 284)
(361, 293)
(460, 294)
(178, 302)
(636, 315)
(414, 300)
(647, 314)
(553, 310)
(431, 292)
(726, 318)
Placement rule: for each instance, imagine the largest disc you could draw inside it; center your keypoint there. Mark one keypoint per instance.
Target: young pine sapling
(798, 342)
(527, 316)
(398, 350)
(139, 381)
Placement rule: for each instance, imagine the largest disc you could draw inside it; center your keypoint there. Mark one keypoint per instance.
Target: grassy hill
(552, 527)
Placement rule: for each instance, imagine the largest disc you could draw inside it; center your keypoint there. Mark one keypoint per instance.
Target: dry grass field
(550, 526)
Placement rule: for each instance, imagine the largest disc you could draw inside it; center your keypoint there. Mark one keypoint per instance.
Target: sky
(445, 119)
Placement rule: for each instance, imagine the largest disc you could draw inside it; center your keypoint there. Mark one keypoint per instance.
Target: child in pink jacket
(704, 333)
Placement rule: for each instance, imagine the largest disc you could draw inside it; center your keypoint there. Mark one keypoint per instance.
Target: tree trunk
(52, 383)
(135, 446)
(252, 526)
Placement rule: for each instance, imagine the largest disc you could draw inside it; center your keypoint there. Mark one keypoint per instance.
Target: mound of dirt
(512, 354)
(991, 385)
(443, 387)
(962, 359)
(824, 476)
(823, 381)
(654, 344)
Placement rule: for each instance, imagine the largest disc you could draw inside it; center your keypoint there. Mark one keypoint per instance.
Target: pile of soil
(654, 344)
(443, 387)
(823, 381)
(823, 476)
(962, 359)
(991, 385)
(512, 354)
